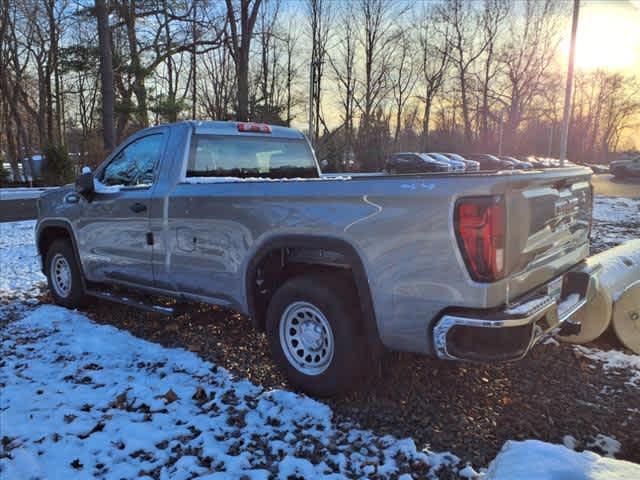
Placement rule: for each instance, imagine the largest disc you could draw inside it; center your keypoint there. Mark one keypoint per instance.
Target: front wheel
(312, 327)
(63, 275)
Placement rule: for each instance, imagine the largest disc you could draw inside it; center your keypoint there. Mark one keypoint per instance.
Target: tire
(324, 356)
(63, 275)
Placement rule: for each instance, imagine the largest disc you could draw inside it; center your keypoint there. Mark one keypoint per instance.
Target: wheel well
(48, 236)
(274, 266)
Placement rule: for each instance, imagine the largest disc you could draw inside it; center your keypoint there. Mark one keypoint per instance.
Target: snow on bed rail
(198, 180)
(83, 400)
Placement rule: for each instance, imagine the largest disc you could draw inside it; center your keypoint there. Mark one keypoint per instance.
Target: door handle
(138, 207)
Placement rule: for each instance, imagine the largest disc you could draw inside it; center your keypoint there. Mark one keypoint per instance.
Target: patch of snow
(615, 209)
(20, 273)
(536, 460)
(468, 472)
(615, 220)
(610, 446)
(82, 400)
(529, 306)
(569, 441)
(197, 180)
(615, 360)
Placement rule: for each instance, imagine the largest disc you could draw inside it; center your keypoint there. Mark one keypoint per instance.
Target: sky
(608, 35)
(609, 38)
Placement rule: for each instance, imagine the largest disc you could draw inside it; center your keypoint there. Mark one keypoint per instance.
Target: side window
(235, 156)
(134, 165)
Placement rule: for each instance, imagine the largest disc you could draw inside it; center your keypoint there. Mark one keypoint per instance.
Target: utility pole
(500, 135)
(312, 85)
(569, 88)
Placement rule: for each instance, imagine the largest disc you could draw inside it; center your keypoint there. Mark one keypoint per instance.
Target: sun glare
(608, 36)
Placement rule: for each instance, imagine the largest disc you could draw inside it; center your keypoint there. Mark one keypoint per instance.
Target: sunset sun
(607, 36)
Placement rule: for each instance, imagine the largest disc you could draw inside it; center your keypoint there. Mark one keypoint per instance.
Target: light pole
(569, 87)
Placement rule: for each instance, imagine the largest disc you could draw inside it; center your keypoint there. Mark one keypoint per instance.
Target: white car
(456, 165)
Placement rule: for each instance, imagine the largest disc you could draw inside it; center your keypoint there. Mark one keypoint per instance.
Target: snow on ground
(615, 220)
(81, 400)
(615, 209)
(535, 460)
(615, 360)
(20, 273)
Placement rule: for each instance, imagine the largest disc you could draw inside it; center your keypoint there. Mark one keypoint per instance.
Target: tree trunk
(106, 75)
(242, 71)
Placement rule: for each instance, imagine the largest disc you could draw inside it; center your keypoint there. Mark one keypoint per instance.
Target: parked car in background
(517, 163)
(596, 167)
(490, 162)
(456, 165)
(412, 162)
(471, 165)
(629, 167)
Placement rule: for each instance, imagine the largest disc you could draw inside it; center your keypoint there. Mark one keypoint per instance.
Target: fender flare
(324, 243)
(64, 225)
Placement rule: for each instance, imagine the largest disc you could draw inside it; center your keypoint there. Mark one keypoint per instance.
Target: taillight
(479, 225)
(254, 127)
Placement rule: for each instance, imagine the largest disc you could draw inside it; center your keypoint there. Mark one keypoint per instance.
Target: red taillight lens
(254, 127)
(479, 224)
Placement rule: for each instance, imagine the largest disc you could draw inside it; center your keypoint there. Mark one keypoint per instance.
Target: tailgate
(548, 226)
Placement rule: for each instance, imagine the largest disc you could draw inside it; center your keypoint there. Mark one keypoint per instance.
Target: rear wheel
(313, 331)
(63, 275)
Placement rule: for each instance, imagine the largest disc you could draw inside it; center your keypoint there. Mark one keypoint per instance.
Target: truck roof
(218, 127)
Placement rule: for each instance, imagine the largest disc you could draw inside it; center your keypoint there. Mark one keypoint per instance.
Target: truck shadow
(468, 409)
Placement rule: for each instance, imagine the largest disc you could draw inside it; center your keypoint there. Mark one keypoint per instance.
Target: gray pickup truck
(336, 270)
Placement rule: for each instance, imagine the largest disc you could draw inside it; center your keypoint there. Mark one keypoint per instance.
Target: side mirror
(84, 183)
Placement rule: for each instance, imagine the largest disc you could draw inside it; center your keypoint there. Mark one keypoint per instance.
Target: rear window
(248, 157)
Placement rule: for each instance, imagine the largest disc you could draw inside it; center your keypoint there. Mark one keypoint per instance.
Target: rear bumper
(509, 333)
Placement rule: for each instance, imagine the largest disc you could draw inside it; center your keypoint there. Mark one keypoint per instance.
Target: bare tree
(403, 78)
(464, 21)
(320, 18)
(433, 39)
(241, 23)
(493, 16)
(343, 63)
(527, 58)
(378, 44)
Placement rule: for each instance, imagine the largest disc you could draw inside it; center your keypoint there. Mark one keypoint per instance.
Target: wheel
(313, 332)
(63, 275)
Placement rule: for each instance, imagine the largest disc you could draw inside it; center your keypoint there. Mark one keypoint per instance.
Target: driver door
(113, 231)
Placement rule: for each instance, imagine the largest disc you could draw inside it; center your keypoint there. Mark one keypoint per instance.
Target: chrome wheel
(306, 338)
(60, 276)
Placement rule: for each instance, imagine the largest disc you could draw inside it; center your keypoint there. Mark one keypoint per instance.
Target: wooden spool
(626, 317)
(619, 268)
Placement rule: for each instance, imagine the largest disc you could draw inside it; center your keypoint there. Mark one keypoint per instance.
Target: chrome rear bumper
(509, 333)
